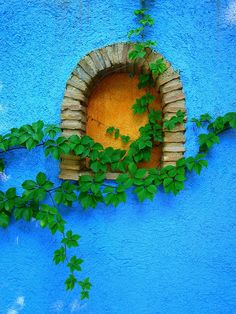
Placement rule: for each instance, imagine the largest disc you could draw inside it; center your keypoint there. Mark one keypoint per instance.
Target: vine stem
(63, 232)
(143, 7)
(19, 147)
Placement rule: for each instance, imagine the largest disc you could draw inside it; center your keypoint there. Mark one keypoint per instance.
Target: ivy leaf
(152, 189)
(70, 282)
(125, 139)
(173, 121)
(85, 284)
(29, 184)
(140, 173)
(4, 220)
(140, 11)
(136, 31)
(142, 103)
(206, 141)
(52, 130)
(84, 295)
(142, 193)
(147, 20)
(132, 168)
(117, 133)
(59, 255)
(71, 240)
(158, 67)
(145, 80)
(110, 130)
(230, 118)
(75, 264)
(41, 178)
(197, 122)
(167, 182)
(2, 165)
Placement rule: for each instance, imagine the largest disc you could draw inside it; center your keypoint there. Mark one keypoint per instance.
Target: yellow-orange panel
(110, 104)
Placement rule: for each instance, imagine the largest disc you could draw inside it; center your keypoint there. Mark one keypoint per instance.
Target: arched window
(91, 103)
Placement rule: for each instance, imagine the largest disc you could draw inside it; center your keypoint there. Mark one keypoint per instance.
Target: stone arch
(89, 71)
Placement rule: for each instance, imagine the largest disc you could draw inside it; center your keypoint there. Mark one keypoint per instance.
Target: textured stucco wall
(174, 255)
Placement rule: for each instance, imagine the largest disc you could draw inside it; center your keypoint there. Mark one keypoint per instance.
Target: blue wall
(174, 255)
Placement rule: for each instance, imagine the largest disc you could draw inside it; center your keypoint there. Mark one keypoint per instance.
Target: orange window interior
(110, 104)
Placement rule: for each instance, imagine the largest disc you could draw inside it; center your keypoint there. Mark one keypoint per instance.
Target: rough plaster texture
(175, 255)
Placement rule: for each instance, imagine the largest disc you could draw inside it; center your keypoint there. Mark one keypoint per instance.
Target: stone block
(74, 93)
(172, 96)
(105, 57)
(124, 55)
(76, 82)
(97, 60)
(116, 54)
(120, 48)
(73, 104)
(171, 156)
(168, 163)
(73, 115)
(69, 157)
(169, 115)
(69, 164)
(110, 54)
(174, 137)
(171, 86)
(169, 75)
(73, 125)
(81, 74)
(173, 147)
(178, 128)
(174, 107)
(88, 66)
(68, 133)
(69, 174)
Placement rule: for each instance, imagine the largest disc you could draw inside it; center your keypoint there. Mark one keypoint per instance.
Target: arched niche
(85, 78)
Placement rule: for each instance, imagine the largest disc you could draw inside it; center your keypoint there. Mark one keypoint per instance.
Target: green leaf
(9, 205)
(71, 240)
(40, 194)
(70, 282)
(84, 295)
(11, 193)
(167, 182)
(125, 139)
(85, 284)
(110, 129)
(2, 165)
(27, 213)
(140, 11)
(109, 189)
(29, 184)
(141, 193)
(140, 173)
(75, 264)
(152, 189)
(180, 178)
(203, 163)
(30, 144)
(59, 197)
(132, 168)
(158, 67)
(197, 168)
(4, 220)
(59, 255)
(117, 133)
(41, 178)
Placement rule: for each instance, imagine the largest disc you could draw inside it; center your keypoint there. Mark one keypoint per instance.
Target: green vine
(41, 199)
(116, 132)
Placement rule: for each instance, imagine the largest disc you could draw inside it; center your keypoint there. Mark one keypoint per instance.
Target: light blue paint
(175, 255)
